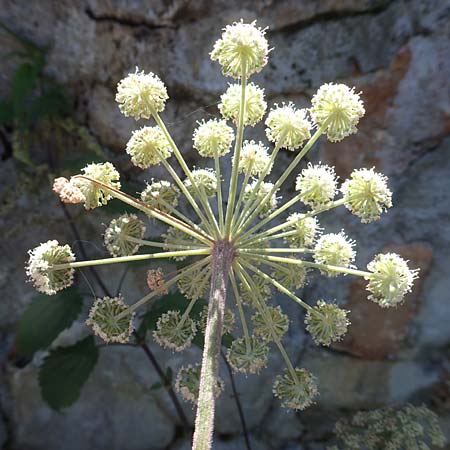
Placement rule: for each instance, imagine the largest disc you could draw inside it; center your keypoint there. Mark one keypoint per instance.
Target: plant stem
(222, 259)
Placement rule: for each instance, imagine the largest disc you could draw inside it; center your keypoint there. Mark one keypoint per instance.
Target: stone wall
(397, 52)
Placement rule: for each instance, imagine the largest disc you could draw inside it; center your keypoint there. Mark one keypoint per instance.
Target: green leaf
(45, 318)
(51, 103)
(23, 84)
(169, 374)
(64, 372)
(6, 112)
(156, 386)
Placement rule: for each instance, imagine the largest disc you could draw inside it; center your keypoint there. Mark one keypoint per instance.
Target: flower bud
(316, 185)
(327, 323)
(391, 279)
(279, 323)
(228, 320)
(249, 359)
(288, 127)
(39, 267)
(366, 194)
(291, 276)
(195, 284)
(269, 204)
(172, 333)
(340, 107)
(241, 45)
(205, 180)
(148, 146)
(117, 232)
(260, 290)
(295, 393)
(104, 322)
(255, 106)
(141, 94)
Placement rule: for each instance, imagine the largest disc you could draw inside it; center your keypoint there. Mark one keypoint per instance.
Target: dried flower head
(255, 106)
(317, 185)
(205, 180)
(327, 323)
(148, 146)
(241, 45)
(213, 138)
(248, 356)
(67, 191)
(367, 194)
(267, 205)
(140, 94)
(161, 194)
(270, 321)
(110, 320)
(339, 108)
(39, 267)
(187, 383)
(174, 331)
(295, 390)
(391, 279)
(97, 195)
(156, 282)
(122, 235)
(253, 158)
(287, 126)
(306, 230)
(334, 249)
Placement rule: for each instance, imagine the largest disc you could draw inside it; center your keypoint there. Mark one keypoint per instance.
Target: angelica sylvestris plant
(230, 248)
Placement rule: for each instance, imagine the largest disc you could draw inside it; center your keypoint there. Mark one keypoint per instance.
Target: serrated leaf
(64, 372)
(45, 318)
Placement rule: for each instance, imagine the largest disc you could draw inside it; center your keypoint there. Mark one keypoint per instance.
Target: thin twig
(166, 382)
(238, 402)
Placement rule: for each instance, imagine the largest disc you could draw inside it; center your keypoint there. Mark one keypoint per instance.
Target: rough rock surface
(397, 52)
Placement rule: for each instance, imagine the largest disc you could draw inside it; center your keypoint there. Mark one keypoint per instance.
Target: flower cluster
(232, 231)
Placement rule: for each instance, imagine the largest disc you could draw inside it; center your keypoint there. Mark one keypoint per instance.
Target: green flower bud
(295, 393)
(117, 232)
(161, 194)
(172, 333)
(327, 323)
(278, 320)
(249, 359)
(205, 180)
(306, 230)
(269, 204)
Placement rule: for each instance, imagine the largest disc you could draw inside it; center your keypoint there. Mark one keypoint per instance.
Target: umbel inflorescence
(241, 241)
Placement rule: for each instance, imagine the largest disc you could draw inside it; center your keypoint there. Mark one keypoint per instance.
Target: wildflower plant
(228, 244)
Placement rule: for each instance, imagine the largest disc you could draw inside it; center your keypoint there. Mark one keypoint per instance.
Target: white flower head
(367, 194)
(213, 138)
(334, 249)
(338, 106)
(39, 267)
(306, 230)
(140, 94)
(327, 323)
(105, 321)
(148, 146)
(241, 45)
(287, 126)
(391, 279)
(161, 194)
(297, 392)
(317, 185)
(118, 234)
(255, 106)
(254, 158)
(96, 195)
(205, 180)
(269, 204)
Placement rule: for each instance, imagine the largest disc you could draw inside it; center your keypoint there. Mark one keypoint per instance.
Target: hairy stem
(222, 259)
